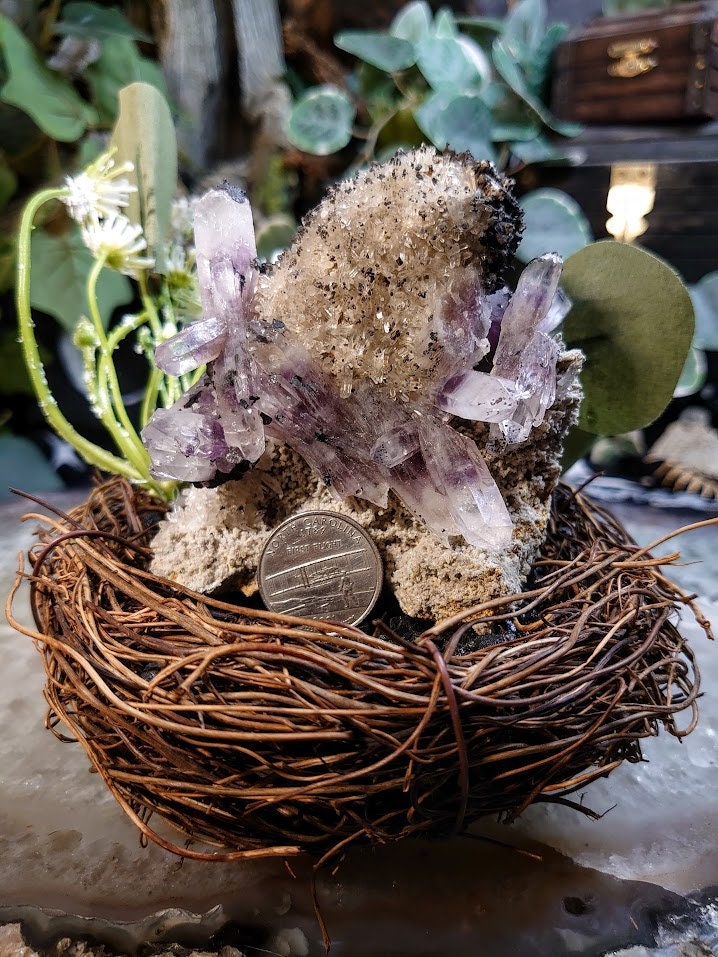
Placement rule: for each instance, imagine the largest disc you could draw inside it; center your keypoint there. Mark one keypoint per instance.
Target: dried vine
(259, 734)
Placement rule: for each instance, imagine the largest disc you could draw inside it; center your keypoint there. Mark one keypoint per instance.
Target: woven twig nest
(260, 734)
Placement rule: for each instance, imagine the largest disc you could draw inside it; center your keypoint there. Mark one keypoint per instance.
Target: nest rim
(354, 736)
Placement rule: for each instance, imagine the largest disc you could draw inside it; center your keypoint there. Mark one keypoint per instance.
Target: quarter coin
(320, 565)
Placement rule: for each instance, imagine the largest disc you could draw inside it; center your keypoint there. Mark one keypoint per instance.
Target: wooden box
(656, 66)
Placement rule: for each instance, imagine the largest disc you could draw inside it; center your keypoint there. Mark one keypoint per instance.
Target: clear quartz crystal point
(478, 396)
(474, 500)
(558, 310)
(196, 345)
(217, 425)
(525, 354)
(394, 446)
(183, 444)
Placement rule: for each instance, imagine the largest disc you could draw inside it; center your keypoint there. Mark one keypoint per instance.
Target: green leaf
(455, 64)
(413, 22)
(524, 28)
(90, 148)
(632, 317)
(400, 131)
(29, 468)
(51, 101)
(145, 135)
(377, 89)
(575, 446)
(321, 121)
(445, 23)
(60, 266)
(537, 65)
(15, 379)
(383, 51)
(554, 223)
(512, 74)
(511, 117)
(537, 149)
(694, 373)
(483, 30)
(92, 20)
(8, 183)
(705, 302)
(461, 122)
(119, 65)
(275, 235)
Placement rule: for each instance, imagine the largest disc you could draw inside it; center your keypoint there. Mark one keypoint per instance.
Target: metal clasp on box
(633, 57)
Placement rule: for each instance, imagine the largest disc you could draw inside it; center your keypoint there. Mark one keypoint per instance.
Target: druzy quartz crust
(383, 327)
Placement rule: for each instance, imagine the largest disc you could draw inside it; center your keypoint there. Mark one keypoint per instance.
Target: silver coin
(320, 565)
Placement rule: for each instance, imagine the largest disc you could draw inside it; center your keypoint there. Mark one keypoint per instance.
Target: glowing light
(630, 199)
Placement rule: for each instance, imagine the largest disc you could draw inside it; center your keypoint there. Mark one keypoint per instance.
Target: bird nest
(256, 734)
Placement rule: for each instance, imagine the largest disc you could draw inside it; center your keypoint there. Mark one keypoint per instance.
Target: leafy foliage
(40, 105)
(554, 223)
(705, 302)
(633, 318)
(119, 65)
(472, 84)
(145, 135)
(81, 19)
(50, 100)
(321, 121)
(61, 265)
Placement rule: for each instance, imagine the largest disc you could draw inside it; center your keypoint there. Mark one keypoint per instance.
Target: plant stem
(149, 402)
(91, 453)
(118, 424)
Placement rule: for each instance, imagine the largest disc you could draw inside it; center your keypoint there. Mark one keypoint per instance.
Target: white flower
(181, 218)
(176, 260)
(118, 242)
(98, 190)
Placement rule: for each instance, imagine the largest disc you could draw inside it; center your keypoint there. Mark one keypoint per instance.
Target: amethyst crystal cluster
(384, 324)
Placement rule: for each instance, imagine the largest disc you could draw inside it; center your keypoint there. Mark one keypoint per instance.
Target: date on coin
(320, 565)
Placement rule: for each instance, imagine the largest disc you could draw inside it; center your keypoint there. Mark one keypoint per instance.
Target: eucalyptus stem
(93, 454)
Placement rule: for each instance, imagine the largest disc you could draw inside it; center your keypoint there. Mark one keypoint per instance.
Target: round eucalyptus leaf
(461, 122)
(412, 22)
(554, 223)
(705, 302)
(694, 373)
(633, 318)
(386, 52)
(321, 121)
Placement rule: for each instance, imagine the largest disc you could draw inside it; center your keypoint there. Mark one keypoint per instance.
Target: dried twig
(260, 734)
